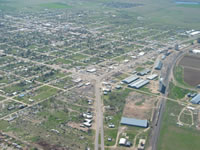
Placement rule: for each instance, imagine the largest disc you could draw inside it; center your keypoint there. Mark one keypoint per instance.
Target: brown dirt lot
(47, 146)
(192, 76)
(191, 65)
(139, 106)
(190, 61)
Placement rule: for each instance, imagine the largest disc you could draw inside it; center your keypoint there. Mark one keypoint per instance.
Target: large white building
(196, 51)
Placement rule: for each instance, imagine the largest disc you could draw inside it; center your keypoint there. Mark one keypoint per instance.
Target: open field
(190, 61)
(176, 137)
(191, 76)
(177, 92)
(139, 106)
(155, 12)
(190, 72)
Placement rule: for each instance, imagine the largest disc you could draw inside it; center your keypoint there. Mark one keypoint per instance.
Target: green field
(179, 76)
(177, 92)
(173, 137)
(154, 12)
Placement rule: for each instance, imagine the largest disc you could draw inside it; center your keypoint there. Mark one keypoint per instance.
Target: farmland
(190, 72)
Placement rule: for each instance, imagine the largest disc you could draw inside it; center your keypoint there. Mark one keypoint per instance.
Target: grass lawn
(186, 118)
(179, 139)
(138, 69)
(42, 93)
(177, 92)
(78, 57)
(63, 61)
(2, 98)
(110, 133)
(145, 89)
(121, 76)
(122, 58)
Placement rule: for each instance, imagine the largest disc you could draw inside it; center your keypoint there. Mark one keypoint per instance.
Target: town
(90, 79)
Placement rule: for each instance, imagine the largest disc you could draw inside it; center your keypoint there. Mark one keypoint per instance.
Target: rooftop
(196, 99)
(130, 79)
(134, 122)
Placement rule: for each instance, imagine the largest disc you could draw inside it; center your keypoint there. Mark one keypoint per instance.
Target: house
(125, 142)
(122, 141)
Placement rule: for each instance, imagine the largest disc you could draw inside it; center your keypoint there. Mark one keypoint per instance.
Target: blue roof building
(196, 99)
(134, 122)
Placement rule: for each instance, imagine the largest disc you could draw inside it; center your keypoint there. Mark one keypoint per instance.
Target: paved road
(99, 117)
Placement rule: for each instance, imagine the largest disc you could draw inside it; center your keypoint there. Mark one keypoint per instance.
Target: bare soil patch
(77, 126)
(139, 106)
(190, 61)
(191, 65)
(192, 76)
(47, 146)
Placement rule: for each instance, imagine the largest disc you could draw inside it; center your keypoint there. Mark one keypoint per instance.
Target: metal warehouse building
(196, 99)
(130, 79)
(134, 122)
(158, 65)
(152, 77)
(139, 83)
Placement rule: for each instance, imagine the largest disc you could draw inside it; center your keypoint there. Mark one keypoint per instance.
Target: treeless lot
(192, 76)
(139, 106)
(191, 65)
(190, 61)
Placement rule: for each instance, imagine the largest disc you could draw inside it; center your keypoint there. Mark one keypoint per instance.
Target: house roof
(196, 99)
(122, 141)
